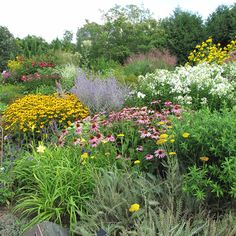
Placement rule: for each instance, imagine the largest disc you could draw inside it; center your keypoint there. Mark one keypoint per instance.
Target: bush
(194, 87)
(209, 152)
(100, 94)
(35, 113)
(68, 74)
(211, 53)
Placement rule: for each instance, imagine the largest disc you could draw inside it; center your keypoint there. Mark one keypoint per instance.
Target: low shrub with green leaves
(208, 153)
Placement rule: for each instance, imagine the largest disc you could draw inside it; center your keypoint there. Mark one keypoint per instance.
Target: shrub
(211, 53)
(209, 152)
(191, 86)
(68, 74)
(100, 94)
(35, 113)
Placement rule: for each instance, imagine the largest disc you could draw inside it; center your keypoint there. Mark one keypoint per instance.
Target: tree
(221, 24)
(126, 30)
(184, 31)
(33, 46)
(67, 44)
(8, 47)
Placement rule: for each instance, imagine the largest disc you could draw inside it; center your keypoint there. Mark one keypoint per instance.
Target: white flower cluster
(189, 83)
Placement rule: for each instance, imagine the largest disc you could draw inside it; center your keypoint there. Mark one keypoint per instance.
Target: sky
(50, 18)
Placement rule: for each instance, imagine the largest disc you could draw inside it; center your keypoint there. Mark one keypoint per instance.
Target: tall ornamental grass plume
(100, 95)
(143, 63)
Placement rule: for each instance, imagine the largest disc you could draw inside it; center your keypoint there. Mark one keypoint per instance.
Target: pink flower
(139, 148)
(78, 129)
(176, 109)
(160, 153)
(168, 103)
(94, 127)
(149, 157)
(110, 138)
(76, 141)
(144, 133)
(93, 141)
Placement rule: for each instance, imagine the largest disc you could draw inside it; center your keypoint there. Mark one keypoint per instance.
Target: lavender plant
(100, 95)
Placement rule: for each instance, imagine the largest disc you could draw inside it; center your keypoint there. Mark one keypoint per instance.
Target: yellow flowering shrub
(209, 52)
(32, 113)
(15, 65)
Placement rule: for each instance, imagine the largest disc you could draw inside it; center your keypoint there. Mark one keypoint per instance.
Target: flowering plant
(35, 113)
(193, 86)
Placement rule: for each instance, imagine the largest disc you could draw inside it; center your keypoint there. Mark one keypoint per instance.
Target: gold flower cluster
(210, 52)
(32, 113)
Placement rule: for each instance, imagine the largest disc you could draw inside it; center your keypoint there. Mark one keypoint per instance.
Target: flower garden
(155, 156)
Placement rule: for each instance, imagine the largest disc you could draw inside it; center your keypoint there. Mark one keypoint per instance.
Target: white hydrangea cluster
(189, 83)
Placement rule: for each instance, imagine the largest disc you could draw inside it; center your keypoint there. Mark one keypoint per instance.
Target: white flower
(141, 95)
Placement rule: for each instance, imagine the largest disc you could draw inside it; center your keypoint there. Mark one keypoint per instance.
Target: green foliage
(127, 30)
(9, 92)
(53, 185)
(8, 47)
(221, 24)
(184, 31)
(209, 152)
(6, 180)
(32, 46)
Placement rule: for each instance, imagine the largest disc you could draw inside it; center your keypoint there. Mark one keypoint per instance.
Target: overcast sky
(50, 18)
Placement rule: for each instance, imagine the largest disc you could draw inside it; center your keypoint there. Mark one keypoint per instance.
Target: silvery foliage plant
(190, 85)
(100, 95)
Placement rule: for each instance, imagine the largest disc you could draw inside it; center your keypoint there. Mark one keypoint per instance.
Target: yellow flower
(186, 135)
(41, 148)
(161, 123)
(161, 141)
(134, 207)
(104, 141)
(172, 153)
(164, 136)
(172, 140)
(137, 162)
(84, 155)
(204, 159)
(120, 135)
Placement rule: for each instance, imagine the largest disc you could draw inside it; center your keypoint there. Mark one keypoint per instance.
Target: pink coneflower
(110, 138)
(78, 130)
(144, 133)
(139, 148)
(176, 109)
(76, 141)
(149, 157)
(160, 153)
(64, 132)
(94, 127)
(93, 141)
(167, 103)
(61, 143)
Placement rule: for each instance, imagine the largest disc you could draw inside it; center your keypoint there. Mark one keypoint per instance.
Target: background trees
(8, 47)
